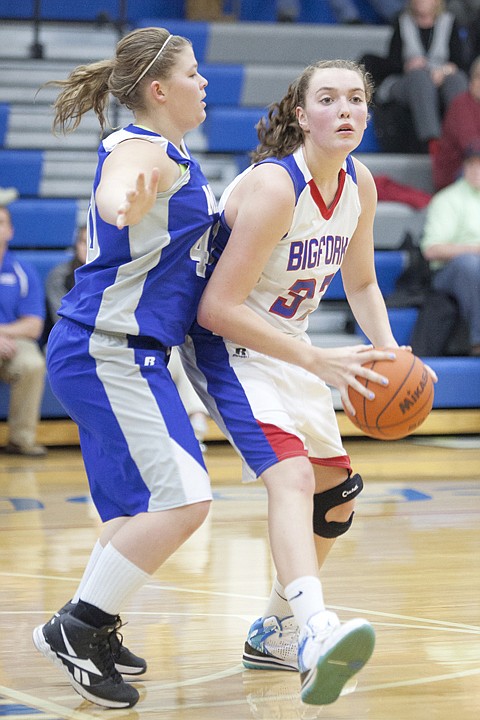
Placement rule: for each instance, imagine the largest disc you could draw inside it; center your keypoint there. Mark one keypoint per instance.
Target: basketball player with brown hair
(302, 211)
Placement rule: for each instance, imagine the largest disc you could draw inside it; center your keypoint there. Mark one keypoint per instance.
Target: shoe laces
(102, 643)
(116, 638)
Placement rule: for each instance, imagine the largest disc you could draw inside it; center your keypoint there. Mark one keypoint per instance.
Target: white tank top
(305, 261)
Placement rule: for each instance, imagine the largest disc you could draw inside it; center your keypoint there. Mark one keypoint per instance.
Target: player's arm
(358, 269)
(260, 212)
(132, 175)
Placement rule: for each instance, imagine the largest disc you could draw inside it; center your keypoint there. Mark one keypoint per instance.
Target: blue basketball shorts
(139, 449)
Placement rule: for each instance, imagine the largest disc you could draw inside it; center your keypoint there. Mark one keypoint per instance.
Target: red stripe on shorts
(286, 445)
(283, 444)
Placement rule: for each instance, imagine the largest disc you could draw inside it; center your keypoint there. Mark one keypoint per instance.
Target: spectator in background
(461, 123)
(61, 279)
(22, 364)
(426, 63)
(451, 242)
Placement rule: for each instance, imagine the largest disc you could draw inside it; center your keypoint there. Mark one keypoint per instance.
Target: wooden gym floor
(410, 564)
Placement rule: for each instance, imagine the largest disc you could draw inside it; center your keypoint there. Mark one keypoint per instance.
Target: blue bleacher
(369, 142)
(402, 321)
(21, 169)
(458, 381)
(89, 10)
(258, 11)
(225, 84)
(197, 32)
(232, 129)
(388, 265)
(43, 260)
(4, 114)
(316, 11)
(311, 11)
(367, 13)
(43, 222)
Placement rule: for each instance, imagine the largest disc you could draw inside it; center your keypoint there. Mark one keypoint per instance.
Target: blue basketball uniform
(107, 357)
(292, 408)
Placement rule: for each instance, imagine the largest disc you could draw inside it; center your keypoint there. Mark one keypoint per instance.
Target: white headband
(149, 65)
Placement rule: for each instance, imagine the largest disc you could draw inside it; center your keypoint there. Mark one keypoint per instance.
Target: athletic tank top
(305, 261)
(147, 279)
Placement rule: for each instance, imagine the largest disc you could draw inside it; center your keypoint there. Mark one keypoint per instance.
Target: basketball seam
(389, 403)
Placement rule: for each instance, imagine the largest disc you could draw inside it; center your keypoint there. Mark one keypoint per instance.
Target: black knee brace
(325, 501)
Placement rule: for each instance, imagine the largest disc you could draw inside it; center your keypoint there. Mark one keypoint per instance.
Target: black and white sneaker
(126, 662)
(84, 653)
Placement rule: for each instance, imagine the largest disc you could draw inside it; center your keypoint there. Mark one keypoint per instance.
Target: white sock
(92, 561)
(277, 603)
(113, 581)
(305, 597)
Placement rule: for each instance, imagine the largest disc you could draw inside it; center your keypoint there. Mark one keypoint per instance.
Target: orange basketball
(401, 406)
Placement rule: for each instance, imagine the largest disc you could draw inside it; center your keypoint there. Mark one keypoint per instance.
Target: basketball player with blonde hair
(149, 224)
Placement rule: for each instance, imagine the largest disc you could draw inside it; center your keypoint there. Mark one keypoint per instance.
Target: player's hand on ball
(343, 367)
(401, 405)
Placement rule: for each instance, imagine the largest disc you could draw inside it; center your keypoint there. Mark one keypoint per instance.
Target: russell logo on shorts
(240, 352)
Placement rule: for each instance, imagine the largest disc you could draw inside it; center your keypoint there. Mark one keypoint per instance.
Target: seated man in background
(460, 124)
(451, 242)
(22, 363)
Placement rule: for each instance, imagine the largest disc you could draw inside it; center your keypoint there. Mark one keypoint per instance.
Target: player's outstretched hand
(138, 201)
(340, 367)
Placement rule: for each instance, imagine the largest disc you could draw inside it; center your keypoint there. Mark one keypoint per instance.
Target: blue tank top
(147, 279)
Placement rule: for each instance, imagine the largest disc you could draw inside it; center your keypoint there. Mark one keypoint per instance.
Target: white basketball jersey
(305, 261)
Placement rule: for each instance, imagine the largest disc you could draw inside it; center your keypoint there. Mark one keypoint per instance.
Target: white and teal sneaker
(329, 654)
(272, 644)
